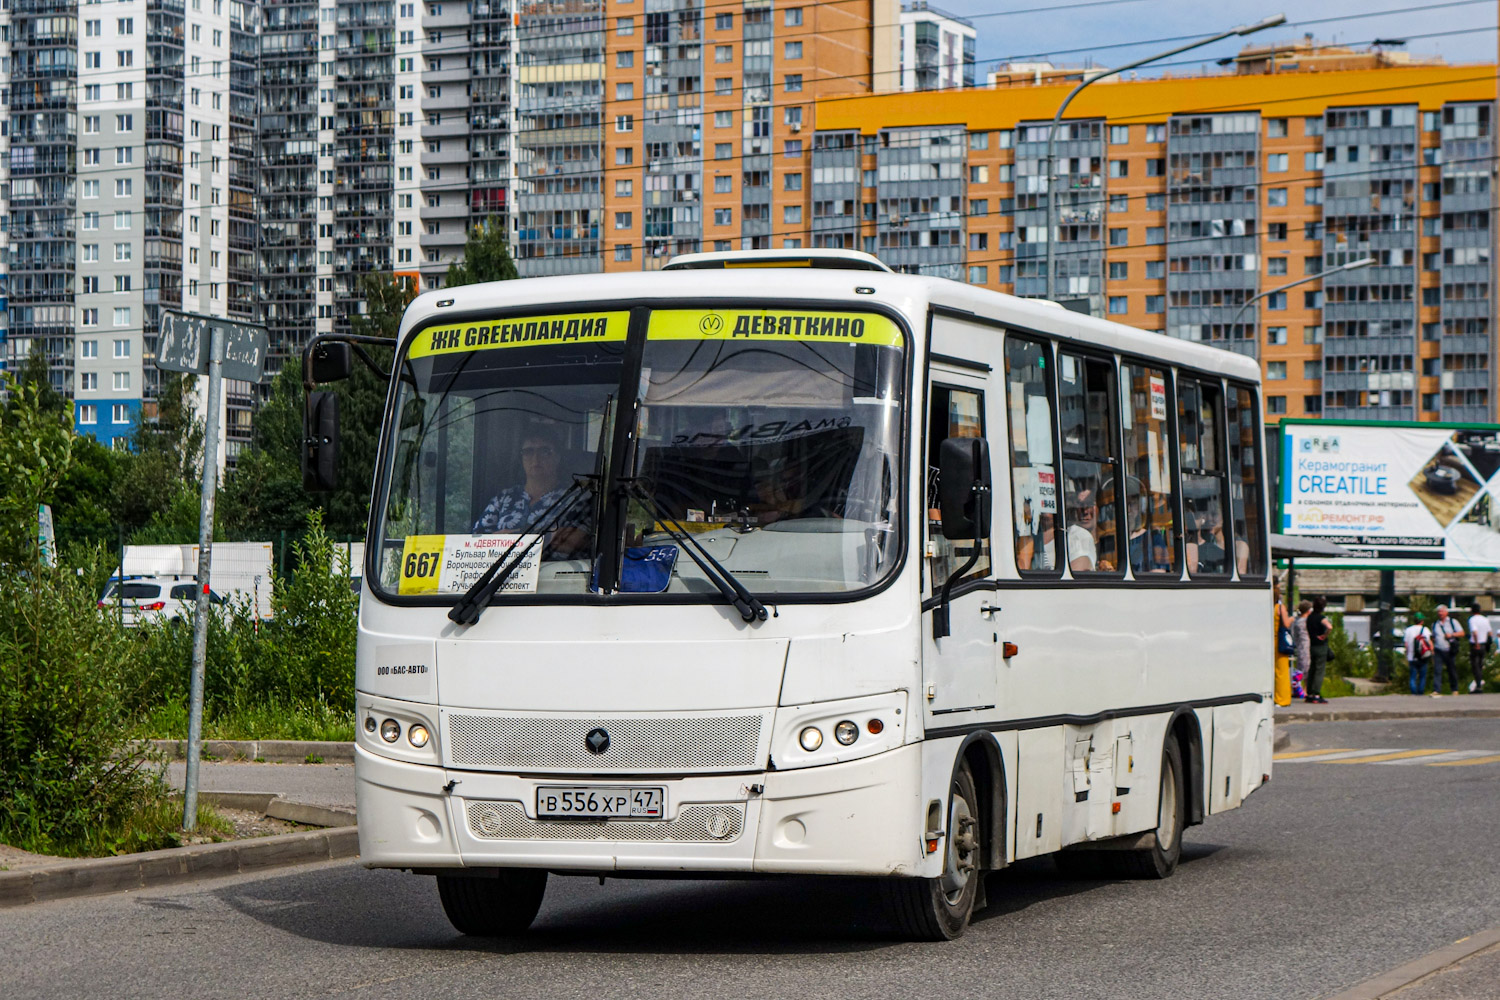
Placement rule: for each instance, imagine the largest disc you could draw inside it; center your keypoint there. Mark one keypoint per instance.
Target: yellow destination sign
(521, 331)
(773, 324)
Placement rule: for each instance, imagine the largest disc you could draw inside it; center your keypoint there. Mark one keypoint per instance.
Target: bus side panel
(1227, 768)
(1039, 787)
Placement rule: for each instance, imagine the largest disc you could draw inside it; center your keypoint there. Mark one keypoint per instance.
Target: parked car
(143, 598)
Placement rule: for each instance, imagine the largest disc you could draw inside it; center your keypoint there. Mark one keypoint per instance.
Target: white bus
(783, 563)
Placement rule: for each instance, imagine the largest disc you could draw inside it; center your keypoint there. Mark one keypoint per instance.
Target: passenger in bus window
(782, 493)
(519, 507)
(1083, 527)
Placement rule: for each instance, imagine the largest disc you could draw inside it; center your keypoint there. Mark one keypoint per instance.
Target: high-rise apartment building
(1183, 205)
(937, 48)
(131, 190)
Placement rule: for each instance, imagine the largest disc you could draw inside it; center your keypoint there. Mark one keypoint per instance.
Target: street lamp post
(1249, 29)
(1362, 262)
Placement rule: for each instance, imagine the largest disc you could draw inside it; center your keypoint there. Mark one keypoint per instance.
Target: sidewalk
(1394, 706)
(315, 784)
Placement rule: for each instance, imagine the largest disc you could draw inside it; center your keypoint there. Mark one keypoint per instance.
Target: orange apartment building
(1183, 202)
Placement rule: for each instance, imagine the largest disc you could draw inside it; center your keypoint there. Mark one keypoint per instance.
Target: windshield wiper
(747, 604)
(472, 604)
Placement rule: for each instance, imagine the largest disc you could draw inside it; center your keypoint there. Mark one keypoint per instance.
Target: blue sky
(1091, 29)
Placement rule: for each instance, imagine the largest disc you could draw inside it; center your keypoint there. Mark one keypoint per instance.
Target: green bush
(288, 677)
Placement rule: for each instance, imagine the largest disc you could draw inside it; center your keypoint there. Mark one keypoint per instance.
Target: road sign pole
(216, 336)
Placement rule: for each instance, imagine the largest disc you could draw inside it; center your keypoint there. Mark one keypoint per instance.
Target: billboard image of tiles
(1416, 494)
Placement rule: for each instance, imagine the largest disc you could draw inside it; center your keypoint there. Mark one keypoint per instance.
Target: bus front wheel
(938, 909)
(493, 907)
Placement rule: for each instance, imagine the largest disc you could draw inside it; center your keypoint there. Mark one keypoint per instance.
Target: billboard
(1395, 494)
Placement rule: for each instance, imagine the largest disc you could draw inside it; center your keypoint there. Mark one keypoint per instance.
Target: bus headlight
(418, 735)
(811, 738)
(390, 730)
(846, 732)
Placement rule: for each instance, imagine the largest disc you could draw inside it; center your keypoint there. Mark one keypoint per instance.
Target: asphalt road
(1330, 875)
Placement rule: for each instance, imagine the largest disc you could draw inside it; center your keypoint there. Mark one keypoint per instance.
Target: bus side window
(1090, 468)
(1200, 407)
(1150, 510)
(1033, 472)
(1247, 502)
(954, 413)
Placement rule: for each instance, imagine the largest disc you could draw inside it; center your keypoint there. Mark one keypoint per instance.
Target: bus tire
(493, 907)
(938, 909)
(1160, 859)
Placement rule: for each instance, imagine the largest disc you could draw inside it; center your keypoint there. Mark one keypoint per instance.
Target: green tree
(37, 373)
(36, 445)
(156, 494)
(486, 257)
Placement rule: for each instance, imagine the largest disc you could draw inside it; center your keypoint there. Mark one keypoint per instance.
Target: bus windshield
(769, 439)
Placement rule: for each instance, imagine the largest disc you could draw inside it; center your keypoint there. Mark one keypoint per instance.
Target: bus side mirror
(331, 362)
(320, 442)
(964, 488)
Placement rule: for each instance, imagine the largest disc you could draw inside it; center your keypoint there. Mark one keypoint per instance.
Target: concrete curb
(271, 751)
(276, 807)
(1370, 715)
(173, 866)
(1404, 975)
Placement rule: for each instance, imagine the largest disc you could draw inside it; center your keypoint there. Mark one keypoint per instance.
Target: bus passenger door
(959, 669)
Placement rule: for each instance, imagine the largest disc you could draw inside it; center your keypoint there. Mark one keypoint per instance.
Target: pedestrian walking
(1319, 628)
(1418, 639)
(1481, 636)
(1447, 633)
(1281, 628)
(1302, 643)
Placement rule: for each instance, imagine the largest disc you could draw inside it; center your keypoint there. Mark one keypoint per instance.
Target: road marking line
(1310, 753)
(1492, 759)
(1450, 755)
(1399, 755)
(1387, 983)
(1334, 755)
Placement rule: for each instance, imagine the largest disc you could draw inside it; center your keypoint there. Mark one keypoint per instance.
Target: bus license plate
(599, 802)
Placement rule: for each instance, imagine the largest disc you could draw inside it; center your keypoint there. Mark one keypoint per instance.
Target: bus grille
(508, 821)
(510, 743)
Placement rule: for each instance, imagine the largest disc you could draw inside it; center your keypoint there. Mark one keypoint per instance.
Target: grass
(156, 823)
(314, 721)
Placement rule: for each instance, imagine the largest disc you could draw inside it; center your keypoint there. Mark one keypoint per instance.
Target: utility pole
(216, 335)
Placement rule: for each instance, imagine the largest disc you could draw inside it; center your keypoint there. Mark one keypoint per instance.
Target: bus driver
(520, 507)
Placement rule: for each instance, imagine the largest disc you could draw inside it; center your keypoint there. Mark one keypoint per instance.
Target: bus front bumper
(863, 817)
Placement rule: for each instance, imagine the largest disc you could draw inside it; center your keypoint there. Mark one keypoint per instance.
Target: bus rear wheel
(493, 907)
(938, 909)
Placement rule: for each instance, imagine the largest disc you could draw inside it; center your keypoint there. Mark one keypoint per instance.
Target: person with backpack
(1447, 633)
(1418, 639)
(1281, 628)
(1481, 636)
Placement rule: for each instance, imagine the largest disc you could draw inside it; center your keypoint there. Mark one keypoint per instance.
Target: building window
(723, 150)
(792, 149)
(624, 156)
(792, 17)
(1312, 196)
(793, 82)
(624, 60)
(88, 413)
(725, 185)
(1276, 335)
(979, 206)
(723, 216)
(979, 275)
(90, 348)
(1119, 270)
(1156, 167)
(791, 214)
(723, 22)
(1312, 300)
(119, 413)
(1119, 203)
(1276, 231)
(624, 25)
(723, 119)
(1276, 163)
(1119, 168)
(624, 188)
(723, 53)
(1156, 270)
(1156, 202)
(1276, 301)
(88, 381)
(1276, 404)
(1312, 161)
(624, 91)
(122, 381)
(1276, 265)
(1275, 371)
(792, 50)
(1276, 128)
(1118, 305)
(624, 123)
(622, 252)
(724, 86)
(1119, 237)
(1155, 235)
(1119, 135)
(1156, 303)
(1312, 334)
(1312, 369)
(624, 220)
(1156, 133)
(1276, 197)
(979, 175)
